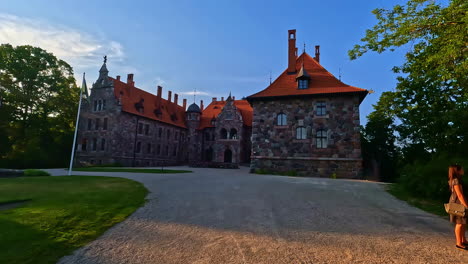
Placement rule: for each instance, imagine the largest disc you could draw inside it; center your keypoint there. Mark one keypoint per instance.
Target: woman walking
(455, 173)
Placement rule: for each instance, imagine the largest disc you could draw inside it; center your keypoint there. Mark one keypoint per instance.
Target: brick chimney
(118, 77)
(214, 99)
(201, 105)
(222, 99)
(130, 79)
(184, 103)
(233, 98)
(176, 98)
(169, 96)
(317, 53)
(292, 50)
(159, 91)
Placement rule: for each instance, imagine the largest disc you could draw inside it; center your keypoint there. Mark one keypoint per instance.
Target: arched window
(301, 133)
(321, 138)
(281, 119)
(233, 134)
(223, 133)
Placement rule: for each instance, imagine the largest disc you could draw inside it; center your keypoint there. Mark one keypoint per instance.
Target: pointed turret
(103, 80)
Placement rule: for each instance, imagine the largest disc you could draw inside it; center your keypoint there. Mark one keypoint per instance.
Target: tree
(431, 96)
(39, 98)
(379, 140)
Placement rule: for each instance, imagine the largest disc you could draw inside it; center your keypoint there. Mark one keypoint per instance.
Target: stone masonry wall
(159, 143)
(276, 148)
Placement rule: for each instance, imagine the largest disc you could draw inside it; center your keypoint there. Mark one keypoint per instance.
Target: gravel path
(230, 216)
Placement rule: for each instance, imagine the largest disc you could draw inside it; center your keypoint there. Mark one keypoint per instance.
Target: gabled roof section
(138, 102)
(215, 108)
(321, 82)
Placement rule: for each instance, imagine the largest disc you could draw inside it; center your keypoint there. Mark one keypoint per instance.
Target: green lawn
(104, 169)
(430, 206)
(61, 214)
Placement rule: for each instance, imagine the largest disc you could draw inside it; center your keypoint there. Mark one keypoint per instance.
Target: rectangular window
(321, 139)
(146, 129)
(158, 149)
(99, 105)
(148, 148)
(94, 144)
(103, 144)
(103, 104)
(97, 124)
(95, 106)
(174, 153)
(168, 134)
(167, 151)
(321, 108)
(160, 132)
(303, 84)
(281, 120)
(90, 124)
(140, 128)
(138, 147)
(104, 125)
(301, 133)
(176, 135)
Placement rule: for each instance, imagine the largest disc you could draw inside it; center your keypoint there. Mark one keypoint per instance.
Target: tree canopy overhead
(39, 98)
(431, 97)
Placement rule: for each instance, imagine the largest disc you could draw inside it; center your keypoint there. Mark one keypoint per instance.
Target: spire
(103, 80)
(103, 71)
(229, 97)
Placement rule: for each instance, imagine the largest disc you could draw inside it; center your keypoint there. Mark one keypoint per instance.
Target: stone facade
(278, 148)
(110, 133)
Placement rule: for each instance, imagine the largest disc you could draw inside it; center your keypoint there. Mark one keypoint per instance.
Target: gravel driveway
(230, 216)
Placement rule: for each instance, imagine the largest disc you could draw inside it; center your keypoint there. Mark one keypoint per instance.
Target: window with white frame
(281, 119)
(321, 138)
(301, 133)
(321, 108)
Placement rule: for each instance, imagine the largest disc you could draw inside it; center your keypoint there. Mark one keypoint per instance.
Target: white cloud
(196, 93)
(79, 49)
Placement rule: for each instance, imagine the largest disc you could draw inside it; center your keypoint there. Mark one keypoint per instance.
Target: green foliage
(62, 214)
(32, 172)
(39, 101)
(378, 139)
(429, 179)
(430, 98)
(427, 204)
(333, 176)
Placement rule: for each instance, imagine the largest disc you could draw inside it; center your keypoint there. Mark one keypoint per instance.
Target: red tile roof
(131, 96)
(321, 82)
(214, 109)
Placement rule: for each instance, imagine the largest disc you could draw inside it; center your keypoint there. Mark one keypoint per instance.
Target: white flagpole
(76, 128)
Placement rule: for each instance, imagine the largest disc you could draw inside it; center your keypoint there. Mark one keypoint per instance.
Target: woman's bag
(455, 209)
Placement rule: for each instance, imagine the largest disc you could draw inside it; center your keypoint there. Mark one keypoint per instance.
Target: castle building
(307, 121)
(122, 124)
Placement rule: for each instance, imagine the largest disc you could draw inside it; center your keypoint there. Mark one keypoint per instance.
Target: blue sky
(215, 47)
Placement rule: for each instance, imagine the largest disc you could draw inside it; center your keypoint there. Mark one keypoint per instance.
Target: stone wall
(277, 149)
(129, 140)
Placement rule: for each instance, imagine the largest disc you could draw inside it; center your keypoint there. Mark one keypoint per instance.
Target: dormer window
(303, 84)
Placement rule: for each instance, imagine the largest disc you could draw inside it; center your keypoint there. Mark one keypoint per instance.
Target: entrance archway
(228, 156)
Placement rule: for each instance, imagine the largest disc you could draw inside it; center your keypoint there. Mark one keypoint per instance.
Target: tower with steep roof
(307, 121)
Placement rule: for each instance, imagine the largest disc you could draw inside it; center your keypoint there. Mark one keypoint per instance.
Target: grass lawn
(104, 169)
(61, 214)
(430, 206)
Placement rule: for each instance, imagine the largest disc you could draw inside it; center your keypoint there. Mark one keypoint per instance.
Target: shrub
(31, 172)
(429, 179)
